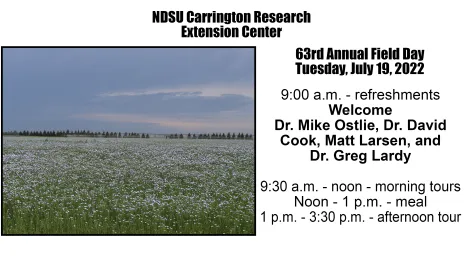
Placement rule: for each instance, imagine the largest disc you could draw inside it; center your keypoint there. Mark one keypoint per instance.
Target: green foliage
(127, 186)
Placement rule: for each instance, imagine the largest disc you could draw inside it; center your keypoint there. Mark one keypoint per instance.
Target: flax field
(127, 186)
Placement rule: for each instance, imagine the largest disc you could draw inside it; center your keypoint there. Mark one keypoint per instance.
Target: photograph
(128, 141)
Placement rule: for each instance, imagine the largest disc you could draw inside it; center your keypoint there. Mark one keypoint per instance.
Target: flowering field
(127, 186)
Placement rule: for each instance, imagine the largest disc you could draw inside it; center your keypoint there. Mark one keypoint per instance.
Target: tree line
(211, 136)
(86, 133)
(107, 134)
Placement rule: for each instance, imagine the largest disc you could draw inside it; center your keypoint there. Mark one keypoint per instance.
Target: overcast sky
(151, 90)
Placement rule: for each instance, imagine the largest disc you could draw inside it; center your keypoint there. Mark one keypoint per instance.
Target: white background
(433, 26)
